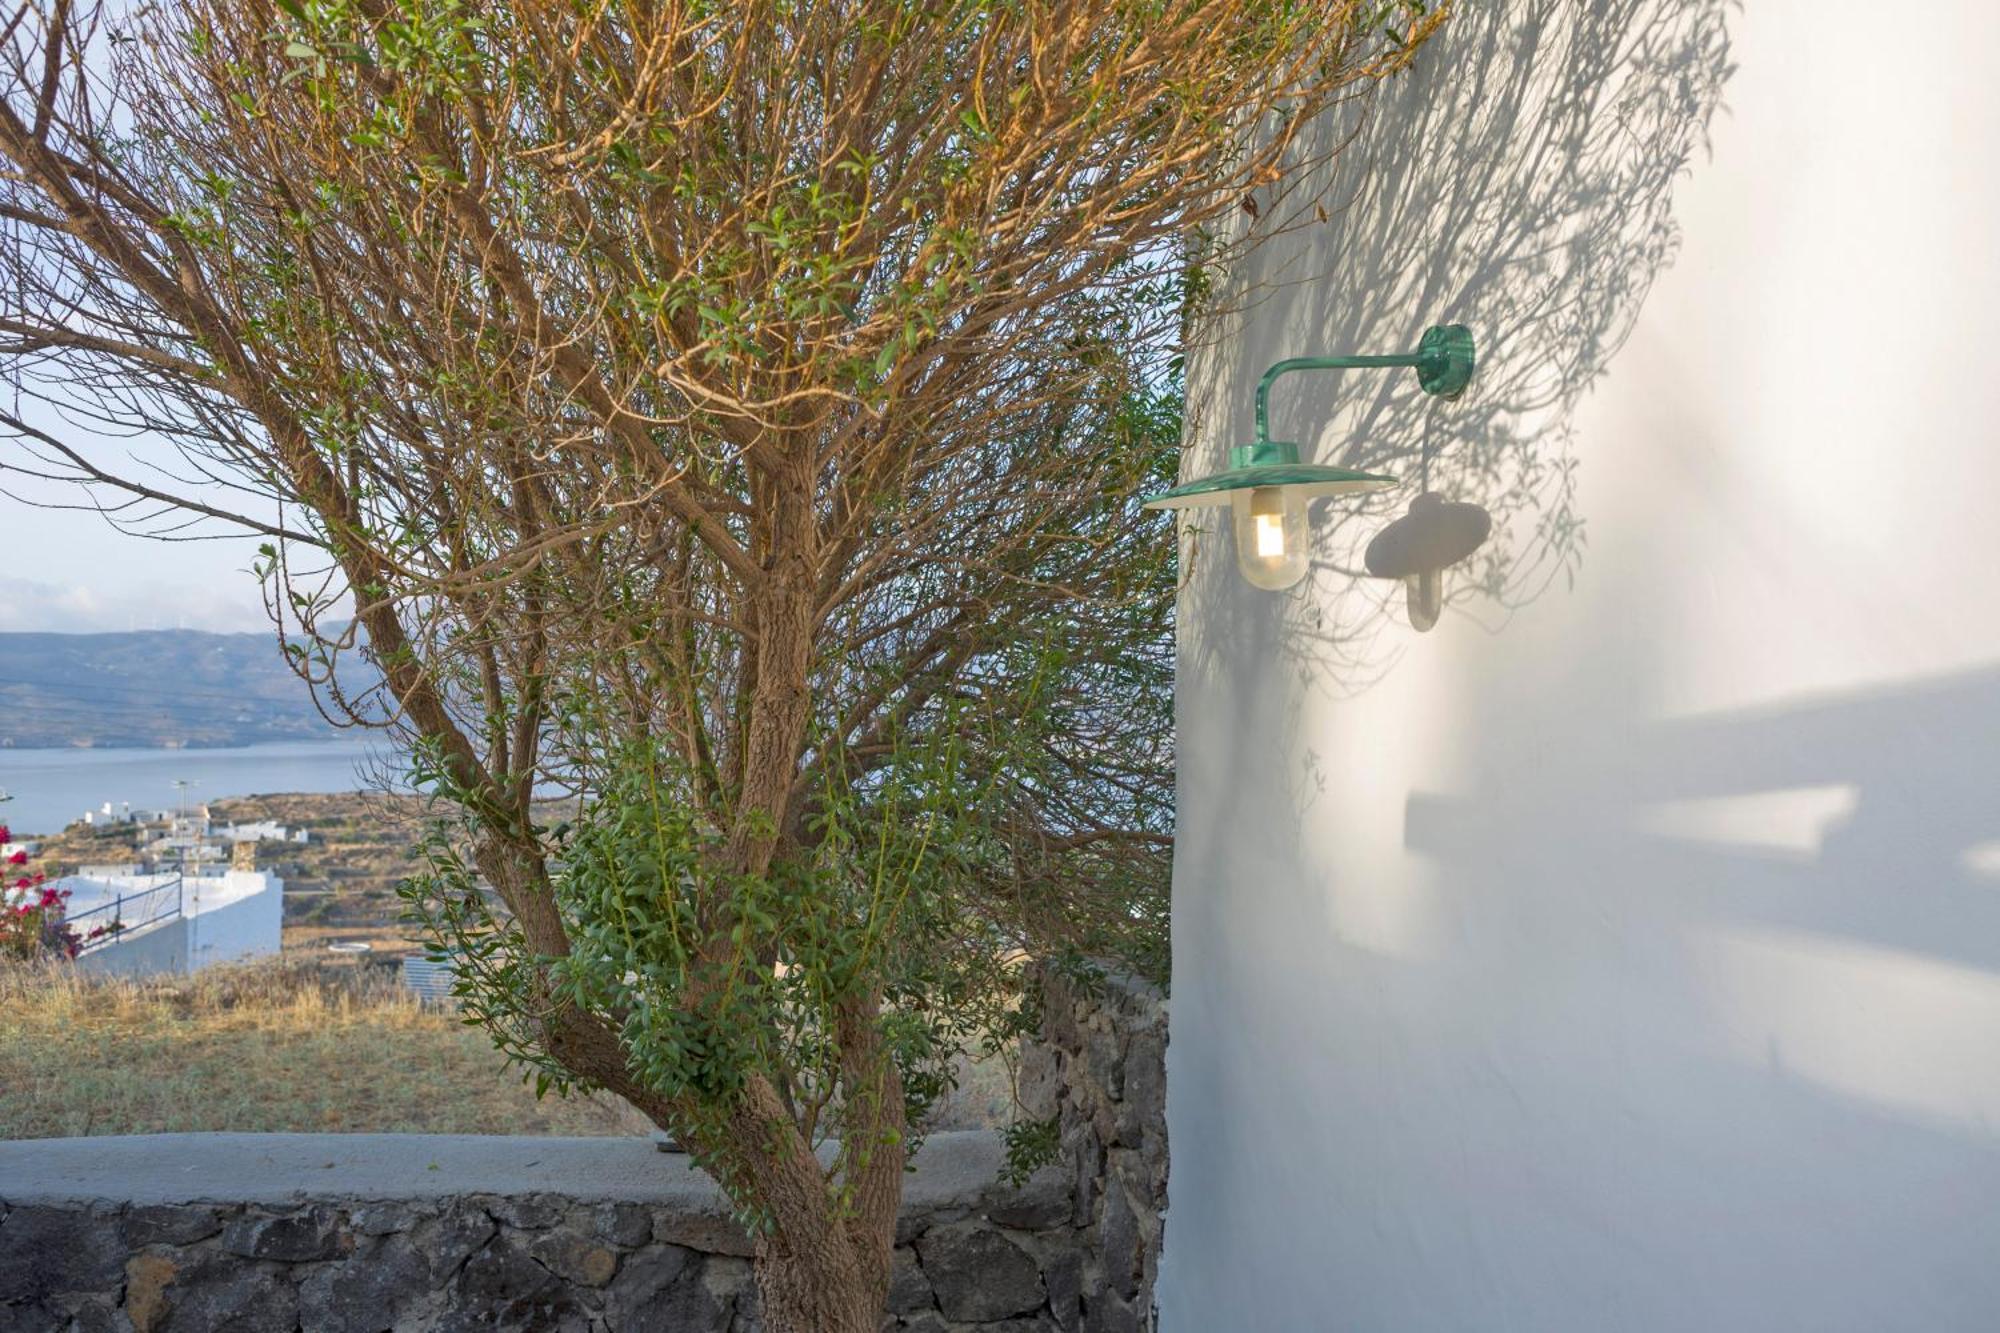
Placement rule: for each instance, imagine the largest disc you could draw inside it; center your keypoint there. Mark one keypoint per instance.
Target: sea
(48, 789)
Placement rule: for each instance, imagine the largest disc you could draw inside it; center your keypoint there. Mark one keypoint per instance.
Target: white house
(262, 830)
(1623, 954)
(173, 924)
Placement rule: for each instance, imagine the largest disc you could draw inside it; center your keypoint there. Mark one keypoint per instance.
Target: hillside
(341, 884)
(151, 688)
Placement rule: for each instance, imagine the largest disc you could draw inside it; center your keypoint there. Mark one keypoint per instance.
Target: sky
(72, 572)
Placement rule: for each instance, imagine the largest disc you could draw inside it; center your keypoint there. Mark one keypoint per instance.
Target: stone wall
(1100, 1072)
(361, 1233)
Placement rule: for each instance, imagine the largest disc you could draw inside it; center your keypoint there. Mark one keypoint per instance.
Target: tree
(730, 410)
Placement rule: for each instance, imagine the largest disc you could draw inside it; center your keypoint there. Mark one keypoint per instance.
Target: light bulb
(1271, 538)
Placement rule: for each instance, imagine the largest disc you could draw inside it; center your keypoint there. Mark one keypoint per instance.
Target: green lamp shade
(1266, 489)
(1254, 466)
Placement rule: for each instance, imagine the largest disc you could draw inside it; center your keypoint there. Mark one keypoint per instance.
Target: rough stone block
(726, 1272)
(146, 1279)
(168, 1224)
(978, 1273)
(710, 1232)
(732, 1288)
(502, 1287)
(1126, 1167)
(1059, 1017)
(1153, 1151)
(1145, 1095)
(99, 1316)
(451, 1238)
(1039, 1082)
(575, 1258)
(1085, 1156)
(658, 1287)
(376, 1288)
(1119, 1242)
(380, 1219)
(1044, 1201)
(219, 1293)
(310, 1233)
(1111, 1315)
(1104, 1053)
(529, 1212)
(47, 1251)
(1062, 1275)
(627, 1224)
(909, 1290)
(33, 1317)
(728, 1277)
(914, 1222)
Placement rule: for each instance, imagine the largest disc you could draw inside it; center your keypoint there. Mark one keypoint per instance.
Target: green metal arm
(1443, 362)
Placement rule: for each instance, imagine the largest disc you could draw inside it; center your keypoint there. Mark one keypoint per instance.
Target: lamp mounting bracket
(1443, 361)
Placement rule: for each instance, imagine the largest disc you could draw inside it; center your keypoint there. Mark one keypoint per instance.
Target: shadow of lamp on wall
(1418, 547)
(1267, 487)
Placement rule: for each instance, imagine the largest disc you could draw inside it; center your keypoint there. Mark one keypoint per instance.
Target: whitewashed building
(173, 924)
(1623, 954)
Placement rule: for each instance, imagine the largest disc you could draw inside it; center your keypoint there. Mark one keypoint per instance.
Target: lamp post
(1266, 486)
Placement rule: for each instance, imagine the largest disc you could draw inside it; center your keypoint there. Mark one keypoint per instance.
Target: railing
(162, 902)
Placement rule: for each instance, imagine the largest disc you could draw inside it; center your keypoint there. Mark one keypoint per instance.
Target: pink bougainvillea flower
(18, 859)
(6, 834)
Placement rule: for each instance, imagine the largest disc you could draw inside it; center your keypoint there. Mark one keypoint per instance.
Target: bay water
(51, 788)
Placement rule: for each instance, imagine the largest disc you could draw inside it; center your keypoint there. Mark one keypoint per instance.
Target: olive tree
(727, 411)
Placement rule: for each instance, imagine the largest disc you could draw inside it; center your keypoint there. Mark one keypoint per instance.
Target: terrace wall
(354, 1233)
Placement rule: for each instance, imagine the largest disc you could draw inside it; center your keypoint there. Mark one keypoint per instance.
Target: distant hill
(151, 688)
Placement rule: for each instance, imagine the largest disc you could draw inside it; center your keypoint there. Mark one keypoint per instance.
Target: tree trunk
(826, 1285)
(821, 1268)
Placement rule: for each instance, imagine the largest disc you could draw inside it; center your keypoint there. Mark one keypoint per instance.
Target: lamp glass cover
(1271, 535)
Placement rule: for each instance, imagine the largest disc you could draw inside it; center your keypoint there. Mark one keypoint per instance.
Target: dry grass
(271, 1047)
(293, 1045)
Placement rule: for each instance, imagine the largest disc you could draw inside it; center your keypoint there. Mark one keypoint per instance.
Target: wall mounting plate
(1445, 360)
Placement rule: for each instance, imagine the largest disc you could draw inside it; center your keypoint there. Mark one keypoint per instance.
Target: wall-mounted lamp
(1266, 486)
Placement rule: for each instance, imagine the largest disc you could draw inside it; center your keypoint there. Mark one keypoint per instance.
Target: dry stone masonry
(1100, 1072)
(283, 1233)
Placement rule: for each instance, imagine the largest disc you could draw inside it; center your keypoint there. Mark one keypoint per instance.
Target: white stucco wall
(227, 918)
(1629, 959)
(245, 920)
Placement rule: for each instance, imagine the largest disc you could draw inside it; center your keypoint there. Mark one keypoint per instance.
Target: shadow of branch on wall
(1520, 182)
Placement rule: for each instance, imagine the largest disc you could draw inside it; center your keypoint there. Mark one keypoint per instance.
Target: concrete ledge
(289, 1233)
(951, 1170)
